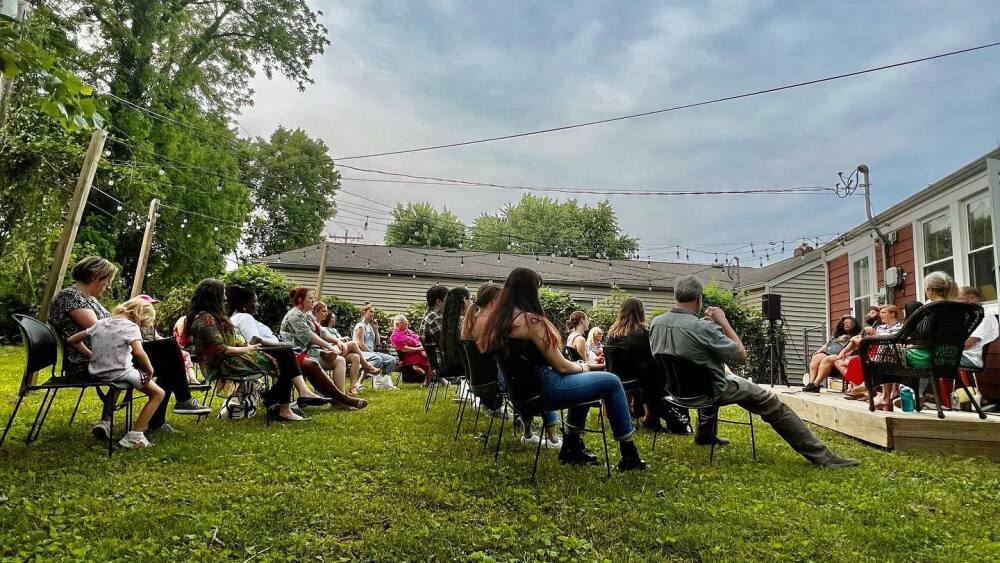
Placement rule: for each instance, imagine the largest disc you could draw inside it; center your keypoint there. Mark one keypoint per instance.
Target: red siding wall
(840, 288)
(900, 254)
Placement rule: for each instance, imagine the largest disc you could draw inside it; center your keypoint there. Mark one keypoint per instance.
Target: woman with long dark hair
(630, 333)
(455, 304)
(518, 325)
(226, 354)
(242, 307)
(846, 328)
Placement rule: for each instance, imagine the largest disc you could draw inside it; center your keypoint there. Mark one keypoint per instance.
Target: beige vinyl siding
(396, 293)
(803, 305)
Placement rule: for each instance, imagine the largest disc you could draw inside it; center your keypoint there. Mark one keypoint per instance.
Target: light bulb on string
(389, 274)
(414, 276)
(111, 181)
(498, 257)
(752, 251)
(678, 252)
(716, 257)
(162, 172)
(119, 208)
(462, 264)
(425, 260)
(687, 255)
(649, 285)
(571, 262)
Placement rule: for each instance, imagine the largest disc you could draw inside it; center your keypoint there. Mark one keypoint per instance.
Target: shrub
(557, 306)
(414, 314)
(748, 324)
(271, 288)
(347, 314)
(605, 313)
(171, 307)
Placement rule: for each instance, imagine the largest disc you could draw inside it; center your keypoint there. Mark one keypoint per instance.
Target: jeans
(766, 404)
(171, 376)
(385, 362)
(559, 391)
(549, 418)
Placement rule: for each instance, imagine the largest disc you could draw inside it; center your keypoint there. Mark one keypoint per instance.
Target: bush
(271, 288)
(347, 314)
(557, 306)
(748, 324)
(605, 313)
(414, 314)
(171, 307)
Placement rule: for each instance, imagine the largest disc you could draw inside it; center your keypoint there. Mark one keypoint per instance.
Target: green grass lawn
(389, 484)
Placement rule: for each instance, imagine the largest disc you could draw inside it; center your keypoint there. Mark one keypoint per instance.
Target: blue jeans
(385, 362)
(549, 418)
(561, 390)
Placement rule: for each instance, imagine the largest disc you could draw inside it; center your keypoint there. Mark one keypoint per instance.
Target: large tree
(292, 183)
(544, 225)
(419, 224)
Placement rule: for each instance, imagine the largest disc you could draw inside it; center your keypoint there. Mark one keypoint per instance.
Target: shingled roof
(477, 265)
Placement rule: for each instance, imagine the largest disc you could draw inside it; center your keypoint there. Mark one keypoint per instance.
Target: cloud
(412, 74)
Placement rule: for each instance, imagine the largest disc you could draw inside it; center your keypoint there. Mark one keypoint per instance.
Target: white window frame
(966, 242)
(952, 212)
(872, 295)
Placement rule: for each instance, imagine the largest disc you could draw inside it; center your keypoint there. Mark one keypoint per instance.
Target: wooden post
(322, 270)
(72, 223)
(147, 242)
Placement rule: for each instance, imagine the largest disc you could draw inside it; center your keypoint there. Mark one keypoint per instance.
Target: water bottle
(956, 403)
(906, 399)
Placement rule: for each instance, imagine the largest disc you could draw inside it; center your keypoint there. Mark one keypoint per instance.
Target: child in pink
(411, 350)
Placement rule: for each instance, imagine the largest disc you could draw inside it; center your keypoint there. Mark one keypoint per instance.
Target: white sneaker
(552, 445)
(532, 441)
(134, 440)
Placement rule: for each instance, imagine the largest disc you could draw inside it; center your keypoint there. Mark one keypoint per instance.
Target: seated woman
(243, 306)
(302, 331)
(518, 323)
(842, 333)
(472, 328)
(456, 301)
(327, 321)
(412, 355)
(226, 354)
(369, 341)
(629, 332)
(595, 346)
(578, 325)
(849, 364)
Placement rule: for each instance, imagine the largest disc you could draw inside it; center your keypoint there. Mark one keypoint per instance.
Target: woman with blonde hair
(578, 324)
(595, 346)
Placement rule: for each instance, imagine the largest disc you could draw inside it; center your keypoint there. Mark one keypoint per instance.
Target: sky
(407, 74)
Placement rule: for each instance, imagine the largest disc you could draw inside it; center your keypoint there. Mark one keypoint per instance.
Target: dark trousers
(288, 369)
(287, 361)
(168, 368)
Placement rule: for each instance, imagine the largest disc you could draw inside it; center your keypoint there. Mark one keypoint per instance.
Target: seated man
(986, 332)
(712, 343)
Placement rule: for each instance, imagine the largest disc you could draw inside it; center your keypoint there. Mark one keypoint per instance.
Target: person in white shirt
(369, 340)
(986, 332)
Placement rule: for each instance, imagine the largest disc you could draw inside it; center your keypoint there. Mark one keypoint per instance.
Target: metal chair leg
(538, 452)
(461, 416)
(503, 420)
(604, 437)
(753, 439)
(711, 454)
(10, 421)
(489, 431)
(38, 416)
(475, 423)
(430, 392)
(45, 415)
(77, 407)
(655, 434)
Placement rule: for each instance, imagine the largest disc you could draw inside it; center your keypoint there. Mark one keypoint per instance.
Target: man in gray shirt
(711, 342)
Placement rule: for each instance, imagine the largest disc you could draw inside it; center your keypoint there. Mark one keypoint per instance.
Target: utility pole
(147, 243)
(72, 223)
(321, 276)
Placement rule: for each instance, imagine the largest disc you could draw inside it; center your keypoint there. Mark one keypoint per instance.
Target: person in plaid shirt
(430, 329)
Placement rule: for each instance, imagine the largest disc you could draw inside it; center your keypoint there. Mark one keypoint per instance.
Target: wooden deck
(960, 433)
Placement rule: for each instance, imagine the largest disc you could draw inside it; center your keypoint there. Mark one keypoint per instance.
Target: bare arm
(84, 318)
(359, 339)
(139, 354)
(76, 341)
(536, 332)
(971, 341)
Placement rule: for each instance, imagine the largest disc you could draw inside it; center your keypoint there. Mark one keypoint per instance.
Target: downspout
(890, 293)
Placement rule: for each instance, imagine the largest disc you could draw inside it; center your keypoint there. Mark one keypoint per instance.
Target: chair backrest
(432, 356)
(571, 354)
(521, 376)
(40, 344)
(688, 384)
(480, 368)
(617, 362)
(942, 327)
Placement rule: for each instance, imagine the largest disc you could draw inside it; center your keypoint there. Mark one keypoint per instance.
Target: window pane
(861, 277)
(947, 267)
(980, 224)
(937, 239)
(861, 308)
(981, 273)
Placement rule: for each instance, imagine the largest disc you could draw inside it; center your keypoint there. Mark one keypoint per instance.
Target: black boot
(630, 457)
(573, 451)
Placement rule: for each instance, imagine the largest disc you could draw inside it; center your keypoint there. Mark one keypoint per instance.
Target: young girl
(116, 341)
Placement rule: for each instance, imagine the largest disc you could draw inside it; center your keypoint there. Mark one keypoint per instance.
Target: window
(937, 246)
(981, 267)
(861, 285)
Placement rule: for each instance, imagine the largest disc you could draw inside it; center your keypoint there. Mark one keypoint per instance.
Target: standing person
(114, 342)
(411, 350)
(369, 341)
(430, 327)
(518, 325)
(629, 333)
(711, 342)
(243, 306)
(986, 332)
(227, 354)
(300, 328)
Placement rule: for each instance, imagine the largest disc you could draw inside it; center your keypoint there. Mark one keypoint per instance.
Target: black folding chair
(689, 386)
(42, 350)
(618, 363)
(940, 329)
(481, 376)
(571, 354)
(433, 381)
(525, 392)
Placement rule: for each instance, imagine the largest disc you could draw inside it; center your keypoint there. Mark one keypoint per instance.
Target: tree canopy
(419, 224)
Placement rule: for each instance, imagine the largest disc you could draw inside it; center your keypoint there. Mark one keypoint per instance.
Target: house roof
(963, 173)
(469, 264)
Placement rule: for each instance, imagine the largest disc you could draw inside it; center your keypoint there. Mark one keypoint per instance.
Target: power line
(673, 108)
